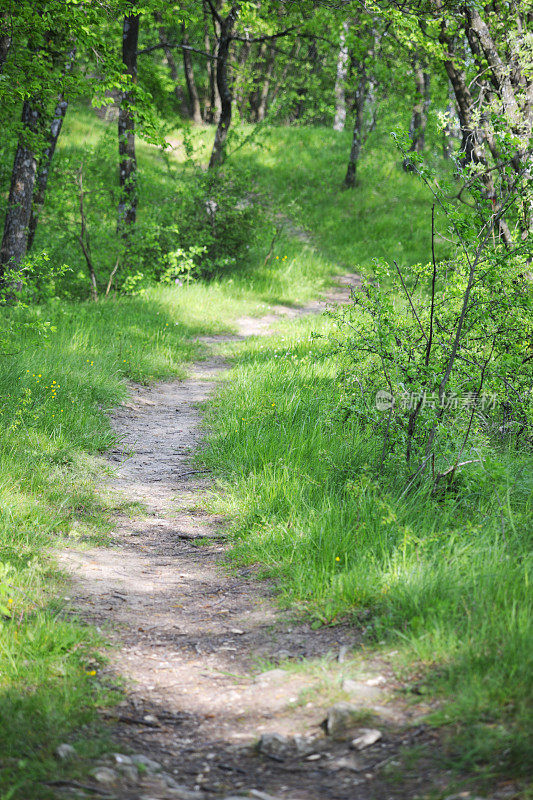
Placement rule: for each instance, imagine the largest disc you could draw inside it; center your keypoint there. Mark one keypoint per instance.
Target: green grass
(441, 580)
(301, 171)
(447, 582)
(63, 366)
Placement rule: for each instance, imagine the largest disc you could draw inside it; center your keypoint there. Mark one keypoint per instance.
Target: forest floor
(226, 694)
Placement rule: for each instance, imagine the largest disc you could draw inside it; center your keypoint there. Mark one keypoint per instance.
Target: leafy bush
(185, 215)
(446, 350)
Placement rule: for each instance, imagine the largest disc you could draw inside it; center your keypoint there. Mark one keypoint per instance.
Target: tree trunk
(208, 106)
(499, 70)
(172, 66)
(263, 97)
(357, 138)
(240, 83)
(45, 164)
(45, 160)
(255, 94)
(340, 82)
(224, 90)
(471, 137)
(417, 127)
(15, 237)
(5, 40)
(450, 130)
(127, 206)
(194, 100)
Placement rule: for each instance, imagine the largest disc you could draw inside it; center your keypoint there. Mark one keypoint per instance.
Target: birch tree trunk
(127, 206)
(357, 137)
(471, 144)
(340, 82)
(419, 117)
(15, 237)
(263, 96)
(45, 164)
(46, 158)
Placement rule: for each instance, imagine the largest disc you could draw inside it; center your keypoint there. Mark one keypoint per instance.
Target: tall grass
(63, 366)
(447, 582)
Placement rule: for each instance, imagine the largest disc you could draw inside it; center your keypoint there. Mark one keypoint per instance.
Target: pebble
(341, 717)
(352, 764)
(303, 745)
(272, 675)
(65, 752)
(366, 738)
(104, 775)
(363, 692)
(120, 758)
(129, 771)
(274, 745)
(379, 680)
(149, 764)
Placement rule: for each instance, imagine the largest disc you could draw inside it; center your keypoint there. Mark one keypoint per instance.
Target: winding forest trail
(193, 641)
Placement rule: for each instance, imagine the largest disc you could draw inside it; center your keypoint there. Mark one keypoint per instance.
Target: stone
(304, 745)
(151, 719)
(379, 680)
(129, 771)
(366, 738)
(341, 718)
(274, 745)
(104, 775)
(177, 791)
(463, 796)
(362, 692)
(272, 675)
(350, 763)
(65, 752)
(120, 758)
(261, 795)
(149, 764)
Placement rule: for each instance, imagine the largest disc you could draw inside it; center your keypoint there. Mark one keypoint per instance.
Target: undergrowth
(446, 580)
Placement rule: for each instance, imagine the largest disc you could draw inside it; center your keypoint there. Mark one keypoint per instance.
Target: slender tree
(419, 116)
(15, 236)
(358, 130)
(164, 41)
(226, 25)
(45, 161)
(127, 206)
(194, 99)
(340, 81)
(265, 85)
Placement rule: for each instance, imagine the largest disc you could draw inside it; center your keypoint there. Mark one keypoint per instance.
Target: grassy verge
(56, 390)
(445, 583)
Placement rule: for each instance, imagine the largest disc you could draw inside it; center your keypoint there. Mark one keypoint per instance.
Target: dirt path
(199, 646)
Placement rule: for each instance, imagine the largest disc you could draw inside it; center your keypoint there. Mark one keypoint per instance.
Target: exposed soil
(197, 643)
